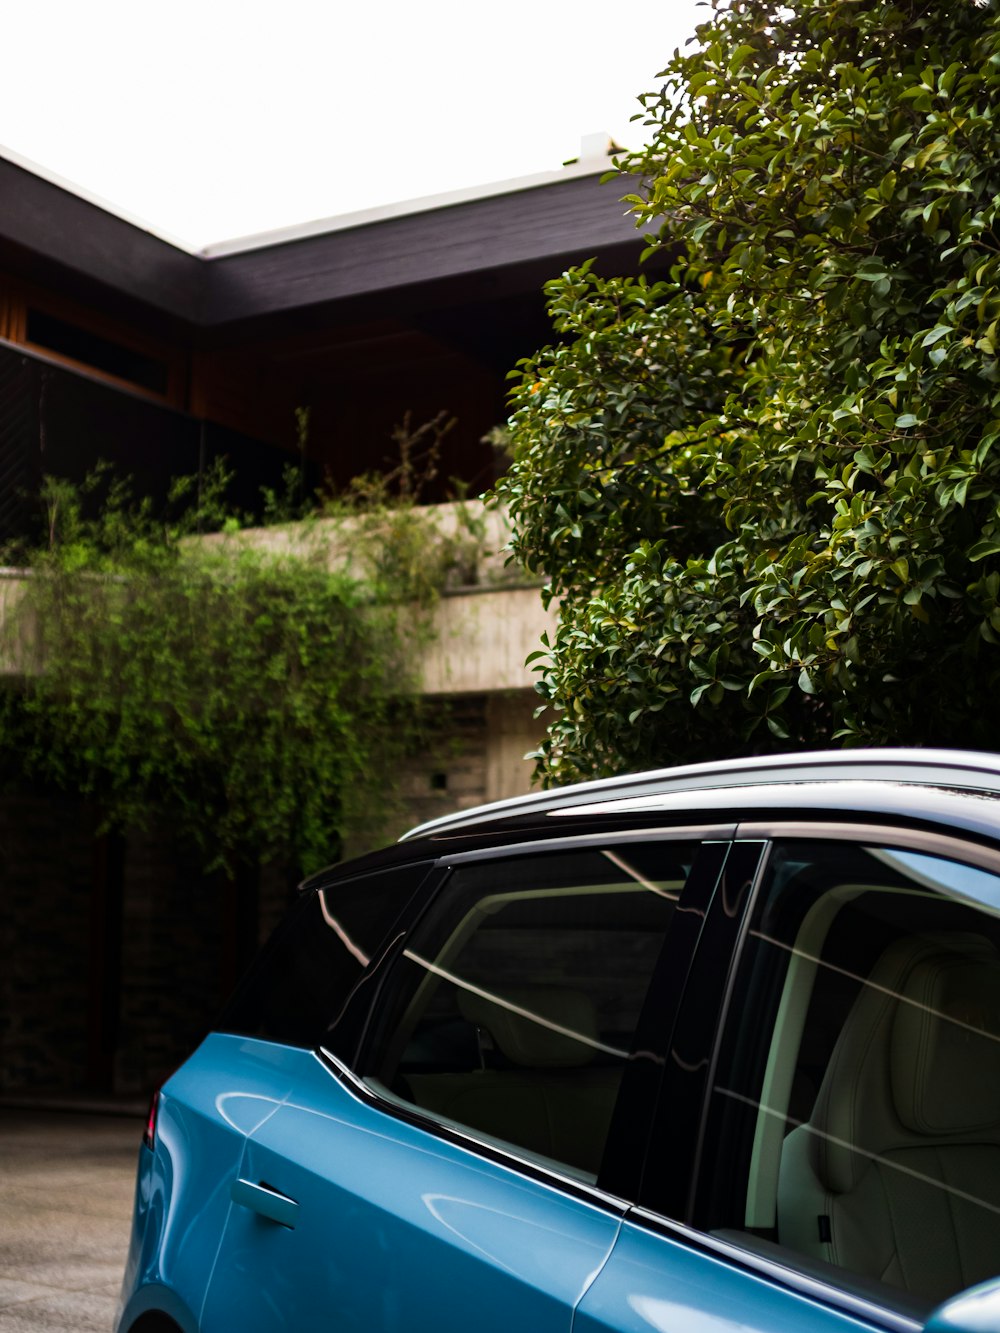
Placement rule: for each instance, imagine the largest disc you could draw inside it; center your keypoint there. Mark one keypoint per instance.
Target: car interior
(874, 1144)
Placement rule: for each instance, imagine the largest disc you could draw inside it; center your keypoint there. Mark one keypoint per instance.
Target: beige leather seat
(550, 1099)
(896, 1176)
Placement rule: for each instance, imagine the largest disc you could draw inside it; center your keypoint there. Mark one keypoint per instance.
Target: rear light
(149, 1133)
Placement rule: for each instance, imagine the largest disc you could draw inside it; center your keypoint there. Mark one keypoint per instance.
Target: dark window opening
(297, 988)
(69, 340)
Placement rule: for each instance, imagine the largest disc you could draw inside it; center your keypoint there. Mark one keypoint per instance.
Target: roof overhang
(467, 247)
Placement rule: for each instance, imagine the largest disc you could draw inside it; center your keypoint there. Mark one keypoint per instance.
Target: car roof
(944, 770)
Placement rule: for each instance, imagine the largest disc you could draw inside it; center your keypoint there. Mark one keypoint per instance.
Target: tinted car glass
(854, 1116)
(298, 987)
(513, 1008)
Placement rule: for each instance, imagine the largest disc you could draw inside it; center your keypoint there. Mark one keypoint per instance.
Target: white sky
(210, 119)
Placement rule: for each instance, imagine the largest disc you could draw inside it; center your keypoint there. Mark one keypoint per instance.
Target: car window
(853, 1125)
(298, 986)
(514, 1008)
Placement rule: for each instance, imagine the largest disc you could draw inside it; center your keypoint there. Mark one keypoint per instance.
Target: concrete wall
(484, 626)
(481, 639)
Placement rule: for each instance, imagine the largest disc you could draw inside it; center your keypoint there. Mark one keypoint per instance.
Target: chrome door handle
(268, 1202)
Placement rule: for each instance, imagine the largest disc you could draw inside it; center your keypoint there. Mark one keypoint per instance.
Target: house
(116, 344)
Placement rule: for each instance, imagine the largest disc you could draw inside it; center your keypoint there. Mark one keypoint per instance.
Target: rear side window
(854, 1122)
(298, 987)
(513, 1009)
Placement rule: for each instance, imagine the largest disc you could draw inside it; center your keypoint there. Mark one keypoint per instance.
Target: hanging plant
(260, 699)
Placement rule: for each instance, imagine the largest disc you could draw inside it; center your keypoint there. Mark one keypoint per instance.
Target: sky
(214, 119)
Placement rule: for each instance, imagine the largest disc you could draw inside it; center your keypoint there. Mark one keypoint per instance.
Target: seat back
(896, 1175)
(547, 1097)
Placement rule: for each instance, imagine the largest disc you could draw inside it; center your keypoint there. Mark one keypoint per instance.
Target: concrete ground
(66, 1183)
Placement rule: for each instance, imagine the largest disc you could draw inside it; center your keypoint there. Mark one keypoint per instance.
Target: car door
(847, 1109)
(457, 1175)
(245, 1070)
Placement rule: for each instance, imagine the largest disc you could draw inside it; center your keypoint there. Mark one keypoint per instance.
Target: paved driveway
(66, 1185)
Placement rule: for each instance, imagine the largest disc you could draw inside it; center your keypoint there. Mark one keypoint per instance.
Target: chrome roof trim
(965, 770)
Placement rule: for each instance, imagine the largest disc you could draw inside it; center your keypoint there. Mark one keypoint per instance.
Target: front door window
(515, 1007)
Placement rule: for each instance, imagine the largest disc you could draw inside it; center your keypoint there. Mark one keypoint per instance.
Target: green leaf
(939, 331)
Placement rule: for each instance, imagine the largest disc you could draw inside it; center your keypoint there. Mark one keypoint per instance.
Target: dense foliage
(766, 487)
(258, 696)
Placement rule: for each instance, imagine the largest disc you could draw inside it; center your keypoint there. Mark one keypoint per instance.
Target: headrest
(899, 1073)
(536, 1027)
(946, 1047)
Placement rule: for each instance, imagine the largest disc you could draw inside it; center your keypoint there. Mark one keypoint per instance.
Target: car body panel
(974, 1311)
(396, 1228)
(206, 1110)
(655, 1283)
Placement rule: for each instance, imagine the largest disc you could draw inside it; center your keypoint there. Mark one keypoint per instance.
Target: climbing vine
(258, 693)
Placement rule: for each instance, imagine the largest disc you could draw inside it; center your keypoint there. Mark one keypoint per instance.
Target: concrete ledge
(481, 641)
(481, 633)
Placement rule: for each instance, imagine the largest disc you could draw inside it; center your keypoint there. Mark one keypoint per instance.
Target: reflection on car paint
(245, 1111)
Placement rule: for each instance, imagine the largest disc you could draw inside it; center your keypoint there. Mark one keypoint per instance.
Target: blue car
(710, 1049)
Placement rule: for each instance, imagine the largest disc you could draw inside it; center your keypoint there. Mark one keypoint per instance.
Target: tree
(765, 488)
